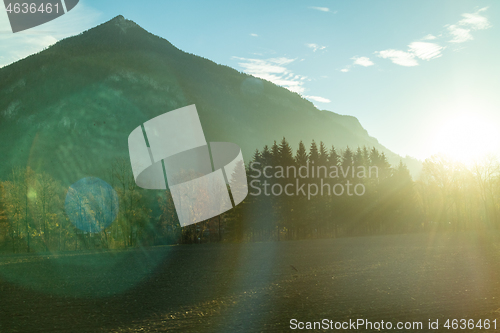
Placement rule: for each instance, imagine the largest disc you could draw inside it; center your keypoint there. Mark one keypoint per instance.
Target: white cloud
(398, 57)
(429, 37)
(425, 51)
(461, 31)
(421, 50)
(460, 35)
(318, 99)
(274, 70)
(14, 47)
(254, 35)
(475, 21)
(322, 9)
(315, 47)
(362, 61)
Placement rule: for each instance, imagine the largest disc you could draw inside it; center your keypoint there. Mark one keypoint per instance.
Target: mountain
(69, 109)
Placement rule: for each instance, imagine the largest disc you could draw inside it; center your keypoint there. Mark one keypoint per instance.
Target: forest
(38, 214)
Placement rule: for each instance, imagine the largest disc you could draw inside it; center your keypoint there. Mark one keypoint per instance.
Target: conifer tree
(366, 156)
(285, 153)
(275, 154)
(384, 166)
(256, 163)
(301, 156)
(358, 158)
(374, 156)
(323, 154)
(347, 159)
(313, 153)
(333, 157)
(257, 156)
(266, 156)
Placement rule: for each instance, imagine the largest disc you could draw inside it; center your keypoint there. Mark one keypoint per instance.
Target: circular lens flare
(91, 204)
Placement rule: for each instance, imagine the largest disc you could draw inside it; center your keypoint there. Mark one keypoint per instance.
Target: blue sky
(421, 76)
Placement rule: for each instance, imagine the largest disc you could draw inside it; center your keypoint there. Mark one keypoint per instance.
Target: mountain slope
(69, 109)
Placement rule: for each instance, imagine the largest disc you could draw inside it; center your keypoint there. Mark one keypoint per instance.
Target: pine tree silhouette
(301, 156)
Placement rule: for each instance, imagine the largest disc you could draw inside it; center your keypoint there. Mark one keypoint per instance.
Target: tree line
(387, 203)
(34, 214)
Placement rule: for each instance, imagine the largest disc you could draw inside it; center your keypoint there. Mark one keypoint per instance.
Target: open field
(253, 287)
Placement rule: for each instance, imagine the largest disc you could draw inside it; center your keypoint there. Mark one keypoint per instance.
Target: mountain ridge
(80, 98)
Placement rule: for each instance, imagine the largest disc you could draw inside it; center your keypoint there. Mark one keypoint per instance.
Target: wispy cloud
(17, 46)
(254, 35)
(425, 50)
(475, 21)
(398, 57)
(318, 99)
(275, 71)
(362, 61)
(429, 37)
(321, 9)
(359, 61)
(460, 35)
(461, 32)
(420, 50)
(315, 47)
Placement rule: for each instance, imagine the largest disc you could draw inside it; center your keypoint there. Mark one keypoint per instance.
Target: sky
(421, 76)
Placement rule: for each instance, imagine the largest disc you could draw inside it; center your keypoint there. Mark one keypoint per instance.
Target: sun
(467, 138)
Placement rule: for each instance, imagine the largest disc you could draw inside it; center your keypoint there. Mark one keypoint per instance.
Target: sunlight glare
(467, 138)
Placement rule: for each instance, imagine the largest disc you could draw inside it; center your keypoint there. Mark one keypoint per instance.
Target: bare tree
(134, 213)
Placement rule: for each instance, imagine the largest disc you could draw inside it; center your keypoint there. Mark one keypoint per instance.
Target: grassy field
(254, 287)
